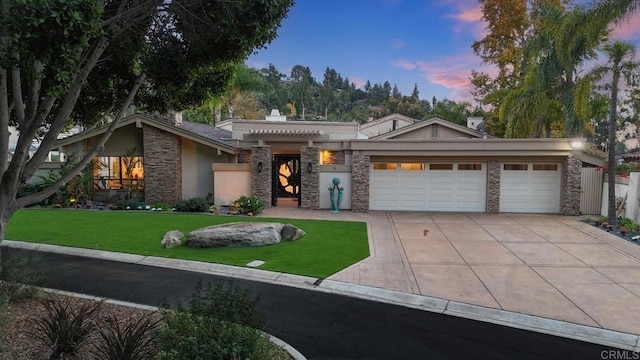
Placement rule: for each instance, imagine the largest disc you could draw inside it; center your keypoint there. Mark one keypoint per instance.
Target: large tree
(85, 61)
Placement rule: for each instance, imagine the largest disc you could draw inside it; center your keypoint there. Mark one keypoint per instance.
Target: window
(412, 166)
(440, 166)
(545, 167)
(518, 167)
(469, 166)
(117, 172)
(385, 166)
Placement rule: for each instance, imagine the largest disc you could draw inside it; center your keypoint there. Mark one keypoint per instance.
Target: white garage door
(428, 186)
(530, 188)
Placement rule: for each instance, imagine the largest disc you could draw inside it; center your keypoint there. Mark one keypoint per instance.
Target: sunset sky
(401, 41)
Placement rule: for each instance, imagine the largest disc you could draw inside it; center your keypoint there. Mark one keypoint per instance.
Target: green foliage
(65, 326)
(19, 272)
(162, 205)
(226, 302)
(189, 336)
(219, 322)
(131, 339)
(625, 169)
(196, 204)
(250, 204)
(128, 204)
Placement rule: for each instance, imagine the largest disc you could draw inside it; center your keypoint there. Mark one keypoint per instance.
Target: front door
(286, 180)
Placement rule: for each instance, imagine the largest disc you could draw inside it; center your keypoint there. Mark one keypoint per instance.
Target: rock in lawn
(291, 233)
(238, 234)
(172, 239)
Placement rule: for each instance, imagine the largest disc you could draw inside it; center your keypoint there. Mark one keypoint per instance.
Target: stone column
(571, 184)
(261, 176)
(493, 187)
(310, 180)
(360, 182)
(162, 166)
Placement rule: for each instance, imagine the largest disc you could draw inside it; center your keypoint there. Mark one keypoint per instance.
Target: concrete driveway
(551, 266)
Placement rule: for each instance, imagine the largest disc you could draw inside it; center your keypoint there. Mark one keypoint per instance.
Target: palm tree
(563, 40)
(619, 62)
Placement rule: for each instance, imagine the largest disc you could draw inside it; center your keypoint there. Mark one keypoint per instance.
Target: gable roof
(200, 133)
(432, 121)
(387, 118)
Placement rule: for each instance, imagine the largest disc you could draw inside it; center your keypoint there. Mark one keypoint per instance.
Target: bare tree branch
(86, 159)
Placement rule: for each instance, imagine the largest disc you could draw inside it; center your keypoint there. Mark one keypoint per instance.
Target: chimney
(177, 118)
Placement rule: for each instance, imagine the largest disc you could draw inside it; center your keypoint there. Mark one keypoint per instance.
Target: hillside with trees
(299, 95)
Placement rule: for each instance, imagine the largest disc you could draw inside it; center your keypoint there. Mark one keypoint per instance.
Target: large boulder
(172, 239)
(241, 234)
(291, 233)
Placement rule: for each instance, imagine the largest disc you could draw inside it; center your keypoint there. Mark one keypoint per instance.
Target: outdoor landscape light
(260, 166)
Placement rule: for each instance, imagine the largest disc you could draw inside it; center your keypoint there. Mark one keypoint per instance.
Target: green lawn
(328, 247)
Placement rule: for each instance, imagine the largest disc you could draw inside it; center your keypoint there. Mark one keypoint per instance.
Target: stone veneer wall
(162, 166)
(571, 185)
(244, 157)
(334, 158)
(493, 187)
(310, 181)
(360, 183)
(261, 181)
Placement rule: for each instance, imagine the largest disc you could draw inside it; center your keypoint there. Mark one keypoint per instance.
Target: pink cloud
(404, 64)
(629, 28)
(398, 44)
(468, 15)
(357, 81)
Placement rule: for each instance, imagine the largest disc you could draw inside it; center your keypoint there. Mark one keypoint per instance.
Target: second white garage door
(458, 187)
(530, 187)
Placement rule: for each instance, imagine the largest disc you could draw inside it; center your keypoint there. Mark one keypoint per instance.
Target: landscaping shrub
(189, 336)
(19, 272)
(65, 326)
(128, 204)
(162, 205)
(196, 204)
(218, 322)
(251, 204)
(128, 340)
(226, 302)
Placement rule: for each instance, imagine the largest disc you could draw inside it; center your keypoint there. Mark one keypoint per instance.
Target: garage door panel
(530, 191)
(429, 190)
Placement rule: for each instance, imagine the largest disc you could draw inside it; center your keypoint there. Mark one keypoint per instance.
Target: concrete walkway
(543, 265)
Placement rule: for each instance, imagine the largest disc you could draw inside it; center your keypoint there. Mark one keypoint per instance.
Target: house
(432, 165)
(385, 125)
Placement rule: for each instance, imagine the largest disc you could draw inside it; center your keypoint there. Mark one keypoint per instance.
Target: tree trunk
(611, 169)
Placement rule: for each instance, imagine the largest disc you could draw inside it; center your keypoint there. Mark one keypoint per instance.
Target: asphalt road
(321, 325)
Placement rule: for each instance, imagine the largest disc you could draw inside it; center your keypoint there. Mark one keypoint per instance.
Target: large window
(118, 172)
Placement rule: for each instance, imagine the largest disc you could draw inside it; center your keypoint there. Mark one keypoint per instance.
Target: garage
(530, 187)
(436, 186)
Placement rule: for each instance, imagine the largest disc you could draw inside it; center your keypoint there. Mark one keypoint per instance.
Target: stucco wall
(125, 138)
(327, 173)
(230, 181)
(197, 177)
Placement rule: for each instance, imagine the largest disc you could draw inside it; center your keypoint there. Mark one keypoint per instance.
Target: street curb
(295, 354)
(533, 323)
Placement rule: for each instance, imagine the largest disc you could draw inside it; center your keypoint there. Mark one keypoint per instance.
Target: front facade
(430, 165)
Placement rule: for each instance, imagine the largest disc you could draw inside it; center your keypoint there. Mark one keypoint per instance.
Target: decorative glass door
(286, 179)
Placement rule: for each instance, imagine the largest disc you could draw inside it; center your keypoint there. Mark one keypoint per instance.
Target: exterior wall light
(260, 166)
(310, 167)
(577, 145)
